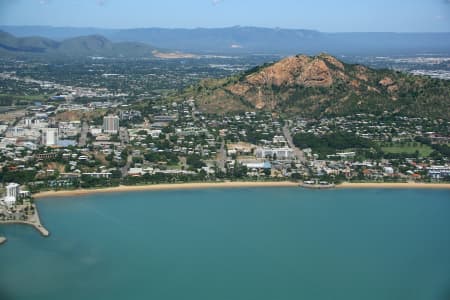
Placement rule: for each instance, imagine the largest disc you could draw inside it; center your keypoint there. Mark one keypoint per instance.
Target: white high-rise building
(111, 124)
(50, 136)
(28, 122)
(12, 193)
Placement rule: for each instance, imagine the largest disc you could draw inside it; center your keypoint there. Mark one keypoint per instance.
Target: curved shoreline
(206, 185)
(41, 229)
(230, 184)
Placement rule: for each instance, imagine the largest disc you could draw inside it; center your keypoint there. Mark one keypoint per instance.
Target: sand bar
(159, 187)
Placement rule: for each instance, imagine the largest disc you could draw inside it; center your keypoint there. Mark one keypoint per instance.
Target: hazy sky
(323, 15)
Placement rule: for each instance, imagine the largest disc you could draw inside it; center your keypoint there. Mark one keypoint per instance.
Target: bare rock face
(362, 73)
(333, 61)
(355, 84)
(296, 70)
(393, 88)
(239, 89)
(282, 73)
(386, 81)
(373, 89)
(290, 72)
(317, 74)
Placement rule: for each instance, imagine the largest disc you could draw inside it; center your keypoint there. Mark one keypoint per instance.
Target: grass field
(39, 97)
(409, 148)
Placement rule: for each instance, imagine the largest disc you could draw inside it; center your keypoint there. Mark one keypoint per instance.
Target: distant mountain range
(254, 40)
(321, 86)
(92, 45)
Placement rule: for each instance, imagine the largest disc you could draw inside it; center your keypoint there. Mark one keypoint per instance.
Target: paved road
(125, 168)
(222, 157)
(123, 135)
(83, 134)
(124, 140)
(297, 152)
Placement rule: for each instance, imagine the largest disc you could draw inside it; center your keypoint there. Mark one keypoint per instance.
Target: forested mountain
(241, 39)
(93, 45)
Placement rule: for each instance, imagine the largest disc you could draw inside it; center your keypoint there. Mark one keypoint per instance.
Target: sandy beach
(234, 184)
(159, 187)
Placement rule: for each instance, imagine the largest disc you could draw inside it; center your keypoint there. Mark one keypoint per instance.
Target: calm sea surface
(258, 243)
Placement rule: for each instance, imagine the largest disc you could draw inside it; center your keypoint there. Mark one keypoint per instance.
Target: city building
(257, 165)
(12, 193)
(69, 129)
(50, 136)
(28, 122)
(439, 172)
(98, 175)
(276, 153)
(111, 124)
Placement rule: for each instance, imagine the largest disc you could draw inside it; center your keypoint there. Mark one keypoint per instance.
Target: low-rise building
(439, 172)
(276, 153)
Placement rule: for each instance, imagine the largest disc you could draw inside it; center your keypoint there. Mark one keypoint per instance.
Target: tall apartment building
(111, 124)
(12, 193)
(50, 136)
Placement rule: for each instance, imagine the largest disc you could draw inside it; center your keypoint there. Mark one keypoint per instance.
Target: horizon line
(212, 28)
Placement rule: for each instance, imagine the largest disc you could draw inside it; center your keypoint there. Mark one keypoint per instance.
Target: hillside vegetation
(324, 86)
(93, 45)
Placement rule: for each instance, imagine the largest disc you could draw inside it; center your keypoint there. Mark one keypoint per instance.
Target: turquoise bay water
(264, 243)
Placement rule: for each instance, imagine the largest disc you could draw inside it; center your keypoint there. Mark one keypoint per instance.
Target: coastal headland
(231, 184)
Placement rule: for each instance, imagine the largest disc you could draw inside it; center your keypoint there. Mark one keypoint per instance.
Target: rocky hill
(324, 86)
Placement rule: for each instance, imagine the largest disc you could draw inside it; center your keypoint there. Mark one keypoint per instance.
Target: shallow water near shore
(246, 243)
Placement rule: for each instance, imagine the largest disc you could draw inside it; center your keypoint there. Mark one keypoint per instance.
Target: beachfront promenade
(230, 184)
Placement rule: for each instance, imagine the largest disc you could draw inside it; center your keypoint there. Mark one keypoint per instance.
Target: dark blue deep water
(258, 243)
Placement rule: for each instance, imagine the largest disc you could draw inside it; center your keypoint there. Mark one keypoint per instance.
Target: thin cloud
(217, 2)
